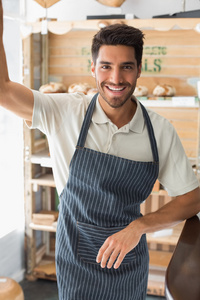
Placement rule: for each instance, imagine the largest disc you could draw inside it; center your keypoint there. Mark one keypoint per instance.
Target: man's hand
(117, 246)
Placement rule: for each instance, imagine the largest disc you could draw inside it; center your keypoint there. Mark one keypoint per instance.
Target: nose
(116, 76)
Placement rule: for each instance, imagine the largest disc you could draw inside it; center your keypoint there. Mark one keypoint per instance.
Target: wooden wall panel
(173, 58)
(70, 57)
(170, 57)
(186, 122)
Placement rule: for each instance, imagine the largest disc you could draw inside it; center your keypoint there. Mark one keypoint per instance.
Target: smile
(115, 89)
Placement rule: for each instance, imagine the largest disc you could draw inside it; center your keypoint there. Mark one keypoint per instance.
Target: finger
(106, 255)
(119, 260)
(101, 252)
(113, 258)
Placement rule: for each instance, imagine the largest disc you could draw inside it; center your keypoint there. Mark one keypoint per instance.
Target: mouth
(115, 89)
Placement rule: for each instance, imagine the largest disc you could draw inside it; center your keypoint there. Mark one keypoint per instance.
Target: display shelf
(46, 269)
(44, 180)
(45, 220)
(167, 236)
(42, 158)
(49, 228)
(156, 24)
(169, 103)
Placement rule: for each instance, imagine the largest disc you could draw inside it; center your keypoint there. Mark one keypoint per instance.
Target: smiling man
(107, 153)
(116, 72)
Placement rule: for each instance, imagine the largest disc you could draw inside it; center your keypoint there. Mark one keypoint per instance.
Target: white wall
(79, 9)
(11, 162)
(12, 255)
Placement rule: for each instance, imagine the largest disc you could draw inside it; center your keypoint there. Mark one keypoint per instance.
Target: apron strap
(86, 122)
(88, 118)
(151, 134)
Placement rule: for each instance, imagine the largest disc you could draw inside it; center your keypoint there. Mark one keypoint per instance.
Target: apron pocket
(92, 237)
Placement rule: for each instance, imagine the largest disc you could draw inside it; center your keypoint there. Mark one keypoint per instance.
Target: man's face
(116, 74)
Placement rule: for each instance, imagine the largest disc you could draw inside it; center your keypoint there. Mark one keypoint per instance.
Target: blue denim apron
(102, 196)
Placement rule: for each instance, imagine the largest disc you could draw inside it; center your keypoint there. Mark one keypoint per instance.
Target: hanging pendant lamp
(113, 3)
(46, 3)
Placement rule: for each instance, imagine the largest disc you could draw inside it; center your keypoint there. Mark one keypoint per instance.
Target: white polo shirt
(60, 117)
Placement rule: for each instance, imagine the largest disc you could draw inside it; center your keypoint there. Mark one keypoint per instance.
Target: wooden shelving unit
(42, 183)
(39, 183)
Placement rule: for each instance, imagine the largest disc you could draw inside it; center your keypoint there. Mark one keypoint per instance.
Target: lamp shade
(113, 3)
(46, 3)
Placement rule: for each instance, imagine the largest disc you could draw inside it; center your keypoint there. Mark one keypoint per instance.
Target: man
(107, 154)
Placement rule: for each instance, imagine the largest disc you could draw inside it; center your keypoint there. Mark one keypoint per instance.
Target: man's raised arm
(13, 96)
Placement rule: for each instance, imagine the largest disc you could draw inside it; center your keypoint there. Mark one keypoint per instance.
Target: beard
(116, 101)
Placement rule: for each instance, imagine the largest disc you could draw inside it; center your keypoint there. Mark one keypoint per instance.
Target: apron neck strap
(86, 122)
(151, 134)
(88, 118)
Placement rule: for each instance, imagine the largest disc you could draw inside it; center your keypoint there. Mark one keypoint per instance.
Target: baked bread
(140, 91)
(164, 90)
(53, 87)
(92, 91)
(79, 87)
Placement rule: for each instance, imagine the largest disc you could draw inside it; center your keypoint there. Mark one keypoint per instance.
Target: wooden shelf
(44, 180)
(170, 239)
(171, 103)
(42, 158)
(46, 269)
(48, 228)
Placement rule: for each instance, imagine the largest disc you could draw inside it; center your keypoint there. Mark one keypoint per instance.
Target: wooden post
(45, 58)
(28, 81)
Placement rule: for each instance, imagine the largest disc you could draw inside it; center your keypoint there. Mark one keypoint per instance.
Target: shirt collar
(99, 115)
(137, 122)
(135, 125)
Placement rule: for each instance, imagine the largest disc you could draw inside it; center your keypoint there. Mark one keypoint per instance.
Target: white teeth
(115, 89)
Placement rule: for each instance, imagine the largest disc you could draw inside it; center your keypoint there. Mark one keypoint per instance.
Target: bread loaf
(164, 90)
(140, 91)
(53, 87)
(79, 87)
(92, 91)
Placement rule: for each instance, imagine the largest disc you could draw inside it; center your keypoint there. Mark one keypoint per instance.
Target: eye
(105, 67)
(128, 67)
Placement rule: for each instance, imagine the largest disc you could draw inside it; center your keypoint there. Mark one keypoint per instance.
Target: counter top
(173, 102)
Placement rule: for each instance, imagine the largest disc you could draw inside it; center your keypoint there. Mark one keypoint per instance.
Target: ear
(139, 70)
(93, 69)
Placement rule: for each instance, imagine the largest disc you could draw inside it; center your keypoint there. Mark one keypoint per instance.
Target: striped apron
(102, 196)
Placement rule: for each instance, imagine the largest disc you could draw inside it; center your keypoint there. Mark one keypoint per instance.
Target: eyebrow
(124, 63)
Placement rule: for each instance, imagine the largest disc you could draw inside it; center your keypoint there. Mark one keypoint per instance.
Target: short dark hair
(118, 34)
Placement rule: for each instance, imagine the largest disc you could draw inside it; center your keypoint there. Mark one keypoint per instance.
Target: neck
(119, 116)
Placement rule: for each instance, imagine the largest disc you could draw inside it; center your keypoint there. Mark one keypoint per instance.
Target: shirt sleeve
(51, 110)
